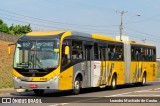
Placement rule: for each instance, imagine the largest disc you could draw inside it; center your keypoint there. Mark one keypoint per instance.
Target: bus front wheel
(77, 86)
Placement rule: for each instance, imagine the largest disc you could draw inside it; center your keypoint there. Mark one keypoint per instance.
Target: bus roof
(137, 43)
(81, 34)
(45, 33)
(74, 33)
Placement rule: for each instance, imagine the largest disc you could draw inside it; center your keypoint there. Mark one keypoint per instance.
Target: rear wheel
(143, 82)
(113, 82)
(38, 92)
(77, 86)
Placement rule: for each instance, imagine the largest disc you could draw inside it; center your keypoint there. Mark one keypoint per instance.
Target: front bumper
(51, 84)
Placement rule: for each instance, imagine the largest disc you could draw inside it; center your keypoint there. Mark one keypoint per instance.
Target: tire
(113, 82)
(143, 82)
(77, 86)
(38, 92)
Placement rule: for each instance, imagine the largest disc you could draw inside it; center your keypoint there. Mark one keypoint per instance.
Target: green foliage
(3, 27)
(158, 75)
(14, 29)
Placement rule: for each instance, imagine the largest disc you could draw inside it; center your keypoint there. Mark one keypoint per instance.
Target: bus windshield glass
(37, 54)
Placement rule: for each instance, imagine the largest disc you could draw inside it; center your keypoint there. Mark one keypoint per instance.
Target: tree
(3, 27)
(17, 30)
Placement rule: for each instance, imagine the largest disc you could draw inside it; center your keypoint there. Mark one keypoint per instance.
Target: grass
(158, 69)
(158, 75)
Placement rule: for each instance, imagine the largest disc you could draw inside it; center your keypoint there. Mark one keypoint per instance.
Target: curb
(7, 90)
(157, 79)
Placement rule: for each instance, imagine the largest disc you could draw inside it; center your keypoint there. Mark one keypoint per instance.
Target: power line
(50, 23)
(54, 27)
(141, 32)
(30, 23)
(142, 37)
(146, 19)
(35, 18)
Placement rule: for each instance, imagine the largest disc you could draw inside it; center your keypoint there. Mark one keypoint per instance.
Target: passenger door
(103, 65)
(87, 73)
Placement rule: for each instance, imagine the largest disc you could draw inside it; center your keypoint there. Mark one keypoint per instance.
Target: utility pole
(121, 23)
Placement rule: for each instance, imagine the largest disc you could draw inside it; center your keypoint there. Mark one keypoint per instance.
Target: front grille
(38, 73)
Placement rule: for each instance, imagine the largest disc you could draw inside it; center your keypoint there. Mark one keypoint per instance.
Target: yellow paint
(134, 68)
(48, 76)
(56, 72)
(146, 66)
(102, 37)
(44, 33)
(9, 50)
(16, 74)
(65, 79)
(56, 50)
(37, 79)
(118, 68)
(67, 50)
(103, 86)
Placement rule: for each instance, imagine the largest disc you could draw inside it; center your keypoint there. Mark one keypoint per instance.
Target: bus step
(102, 86)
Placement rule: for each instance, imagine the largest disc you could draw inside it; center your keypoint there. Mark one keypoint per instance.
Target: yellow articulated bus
(65, 60)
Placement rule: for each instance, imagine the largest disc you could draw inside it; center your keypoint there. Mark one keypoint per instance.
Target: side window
(65, 58)
(142, 54)
(146, 54)
(137, 54)
(154, 55)
(87, 51)
(150, 54)
(96, 52)
(119, 52)
(111, 52)
(102, 53)
(133, 56)
(106, 53)
(77, 51)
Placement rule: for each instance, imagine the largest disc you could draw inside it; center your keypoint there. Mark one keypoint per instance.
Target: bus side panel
(134, 70)
(65, 79)
(81, 69)
(118, 68)
(151, 71)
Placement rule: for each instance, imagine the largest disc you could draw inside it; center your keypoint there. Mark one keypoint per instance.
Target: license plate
(33, 85)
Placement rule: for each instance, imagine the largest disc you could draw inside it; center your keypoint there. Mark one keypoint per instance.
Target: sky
(91, 16)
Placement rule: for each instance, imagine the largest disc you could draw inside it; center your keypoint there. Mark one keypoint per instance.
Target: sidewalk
(7, 90)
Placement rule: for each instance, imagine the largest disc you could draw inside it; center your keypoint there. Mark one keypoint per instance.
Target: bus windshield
(37, 54)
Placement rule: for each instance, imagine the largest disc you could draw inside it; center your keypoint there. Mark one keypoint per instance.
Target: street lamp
(121, 22)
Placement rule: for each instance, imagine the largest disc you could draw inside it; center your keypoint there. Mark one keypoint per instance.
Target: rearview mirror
(9, 48)
(66, 50)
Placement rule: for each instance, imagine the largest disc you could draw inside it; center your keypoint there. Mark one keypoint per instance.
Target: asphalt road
(95, 96)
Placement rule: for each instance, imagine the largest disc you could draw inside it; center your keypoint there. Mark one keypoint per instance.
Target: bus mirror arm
(9, 48)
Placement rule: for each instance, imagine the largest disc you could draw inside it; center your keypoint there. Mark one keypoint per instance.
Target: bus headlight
(16, 78)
